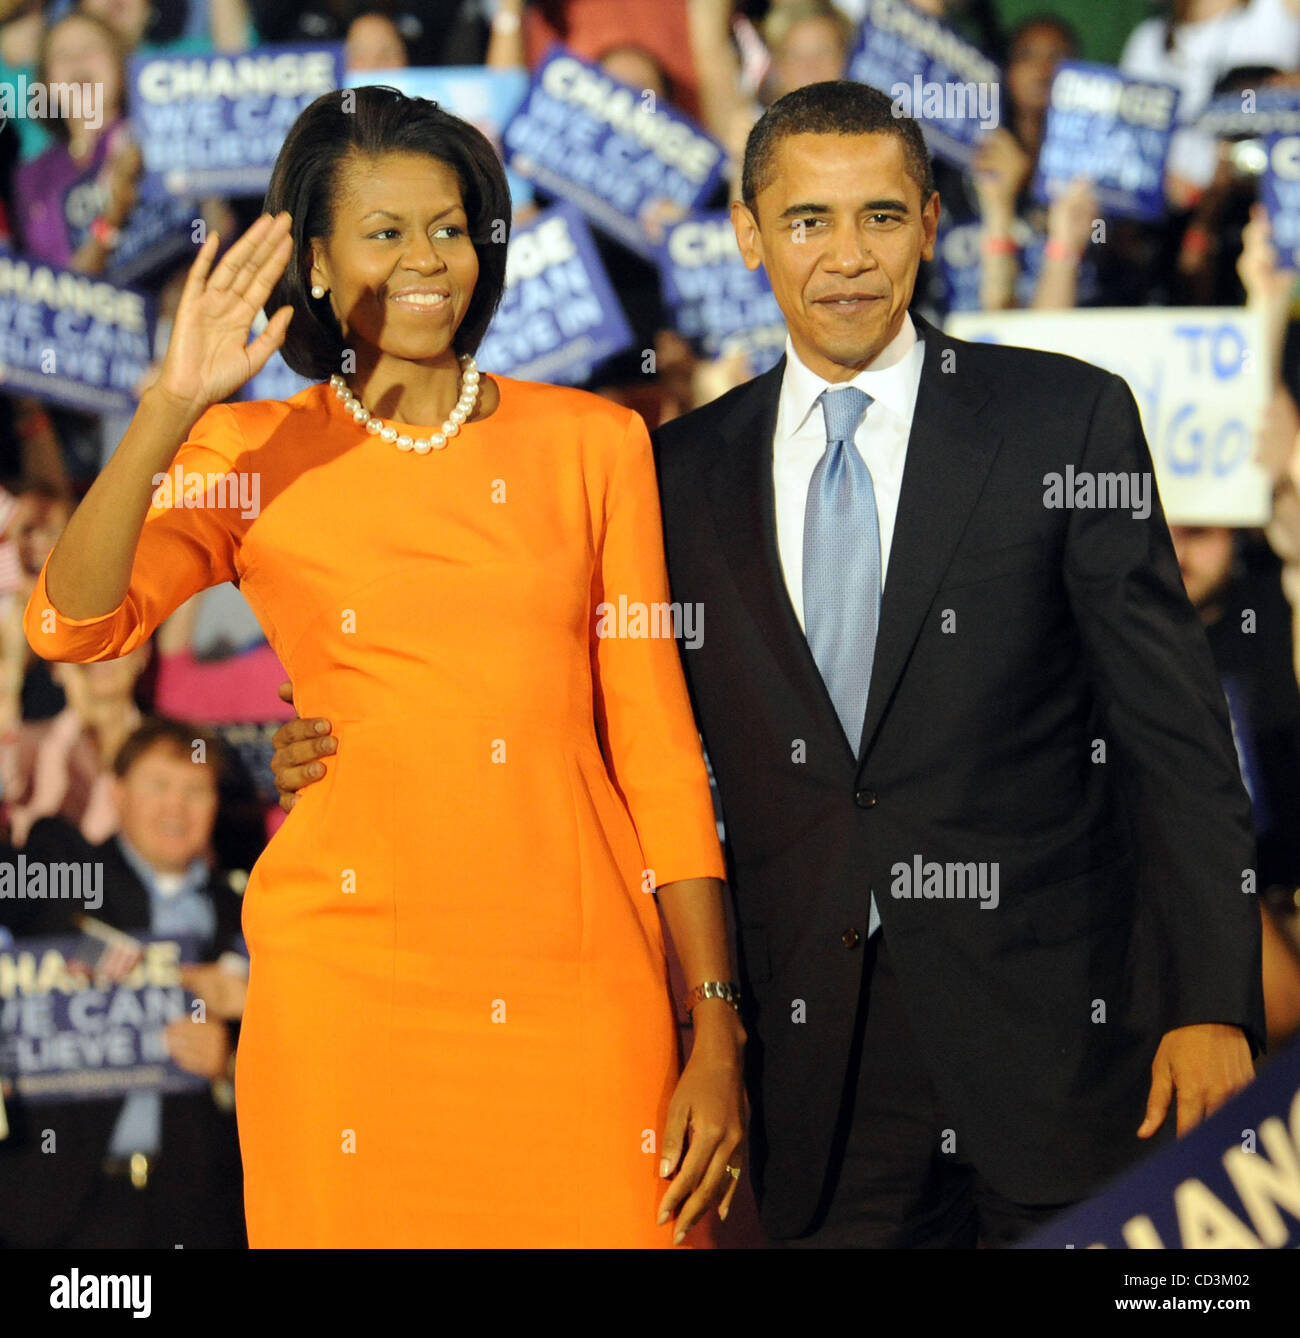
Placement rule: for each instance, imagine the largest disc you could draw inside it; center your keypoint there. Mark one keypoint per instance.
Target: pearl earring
(317, 290)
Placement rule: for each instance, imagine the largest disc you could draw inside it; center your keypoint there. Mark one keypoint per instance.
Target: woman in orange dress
(458, 1030)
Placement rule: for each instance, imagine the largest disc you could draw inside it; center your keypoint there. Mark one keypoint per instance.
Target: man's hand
(1206, 1064)
(199, 1047)
(298, 743)
(222, 991)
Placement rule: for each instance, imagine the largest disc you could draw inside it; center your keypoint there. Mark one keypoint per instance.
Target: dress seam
(584, 1010)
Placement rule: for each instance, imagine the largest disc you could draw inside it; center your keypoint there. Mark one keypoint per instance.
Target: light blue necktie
(841, 568)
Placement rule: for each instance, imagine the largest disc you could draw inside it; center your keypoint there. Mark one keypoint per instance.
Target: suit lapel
(949, 453)
(126, 899)
(740, 491)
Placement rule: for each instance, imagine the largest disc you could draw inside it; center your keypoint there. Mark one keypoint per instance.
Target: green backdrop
(1104, 25)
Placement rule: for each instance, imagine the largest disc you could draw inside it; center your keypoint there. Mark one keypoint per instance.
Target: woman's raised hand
(208, 356)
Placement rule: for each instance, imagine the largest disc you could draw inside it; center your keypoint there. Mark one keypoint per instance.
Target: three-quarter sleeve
(189, 541)
(643, 713)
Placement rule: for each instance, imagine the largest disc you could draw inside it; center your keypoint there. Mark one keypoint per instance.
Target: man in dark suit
(1042, 706)
(151, 1170)
(989, 846)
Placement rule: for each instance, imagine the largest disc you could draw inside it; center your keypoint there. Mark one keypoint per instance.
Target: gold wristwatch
(713, 989)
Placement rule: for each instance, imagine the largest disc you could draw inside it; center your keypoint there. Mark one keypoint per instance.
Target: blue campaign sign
(485, 98)
(933, 74)
(1251, 113)
(559, 314)
(70, 338)
(584, 136)
(714, 300)
(276, 381)
(213, 124)
(1113, 130)
(957, 252)
(157, 232)
(1233, 1182)
(1279, 190)
(64, 1037)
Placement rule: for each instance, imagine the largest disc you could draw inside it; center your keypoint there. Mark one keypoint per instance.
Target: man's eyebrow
(868, 207)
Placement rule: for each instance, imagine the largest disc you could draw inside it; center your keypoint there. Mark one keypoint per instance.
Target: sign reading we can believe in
(627, 160)
(213, 124)
(715, 300)
(559, 314)
(1114, 131)
(72, 339)
(67, 1037)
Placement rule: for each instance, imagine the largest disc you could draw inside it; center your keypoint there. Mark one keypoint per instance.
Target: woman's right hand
(208, 356)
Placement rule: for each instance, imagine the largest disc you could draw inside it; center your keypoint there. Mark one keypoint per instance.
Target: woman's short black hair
(370, 121)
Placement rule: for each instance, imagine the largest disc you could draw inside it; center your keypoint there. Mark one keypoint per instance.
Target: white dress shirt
(892, 380)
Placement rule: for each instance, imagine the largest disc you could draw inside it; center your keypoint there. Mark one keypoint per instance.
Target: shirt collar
(891, 379)
(194, 877)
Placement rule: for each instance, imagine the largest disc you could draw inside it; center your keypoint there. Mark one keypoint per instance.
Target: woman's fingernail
(664, 1167)
(679, 1237)
(662, 1218)
(322, 726)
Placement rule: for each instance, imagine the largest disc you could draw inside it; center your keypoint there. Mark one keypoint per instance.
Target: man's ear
(930, 225)
(747, 234)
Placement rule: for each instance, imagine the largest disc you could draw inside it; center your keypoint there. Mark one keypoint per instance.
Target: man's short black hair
(836, 107)
(368, 122)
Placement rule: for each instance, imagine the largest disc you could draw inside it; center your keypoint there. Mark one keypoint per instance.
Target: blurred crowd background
(96, 760)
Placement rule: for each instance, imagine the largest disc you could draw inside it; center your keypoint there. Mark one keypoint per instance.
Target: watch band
(713, 989)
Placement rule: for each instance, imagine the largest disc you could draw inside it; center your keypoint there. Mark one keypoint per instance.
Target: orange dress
(458, 1029)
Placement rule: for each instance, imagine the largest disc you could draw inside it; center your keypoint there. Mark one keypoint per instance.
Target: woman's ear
(317, 268)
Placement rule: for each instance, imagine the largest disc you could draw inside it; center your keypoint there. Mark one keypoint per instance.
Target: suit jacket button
(865, 799)
(850, 938)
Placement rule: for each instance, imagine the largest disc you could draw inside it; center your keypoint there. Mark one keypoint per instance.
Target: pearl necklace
(420, 445)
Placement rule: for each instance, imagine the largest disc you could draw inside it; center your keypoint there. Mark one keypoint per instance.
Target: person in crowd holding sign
(152, 29)
(998, 248)
(374, 42)
(149, 1170)
(458, 1030)
(80, 50)
(1191, 46)
(989, 843)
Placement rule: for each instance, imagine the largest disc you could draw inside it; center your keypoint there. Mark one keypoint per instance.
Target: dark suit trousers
(897, 1177)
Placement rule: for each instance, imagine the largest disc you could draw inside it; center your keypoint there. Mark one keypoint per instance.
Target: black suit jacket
(1042, 698)
(198, 1177)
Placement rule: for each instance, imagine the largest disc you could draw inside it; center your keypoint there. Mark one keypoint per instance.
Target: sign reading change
(628, 163)
(213, 125)
(72, 339)
(1199, 375)
(64, 1037)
